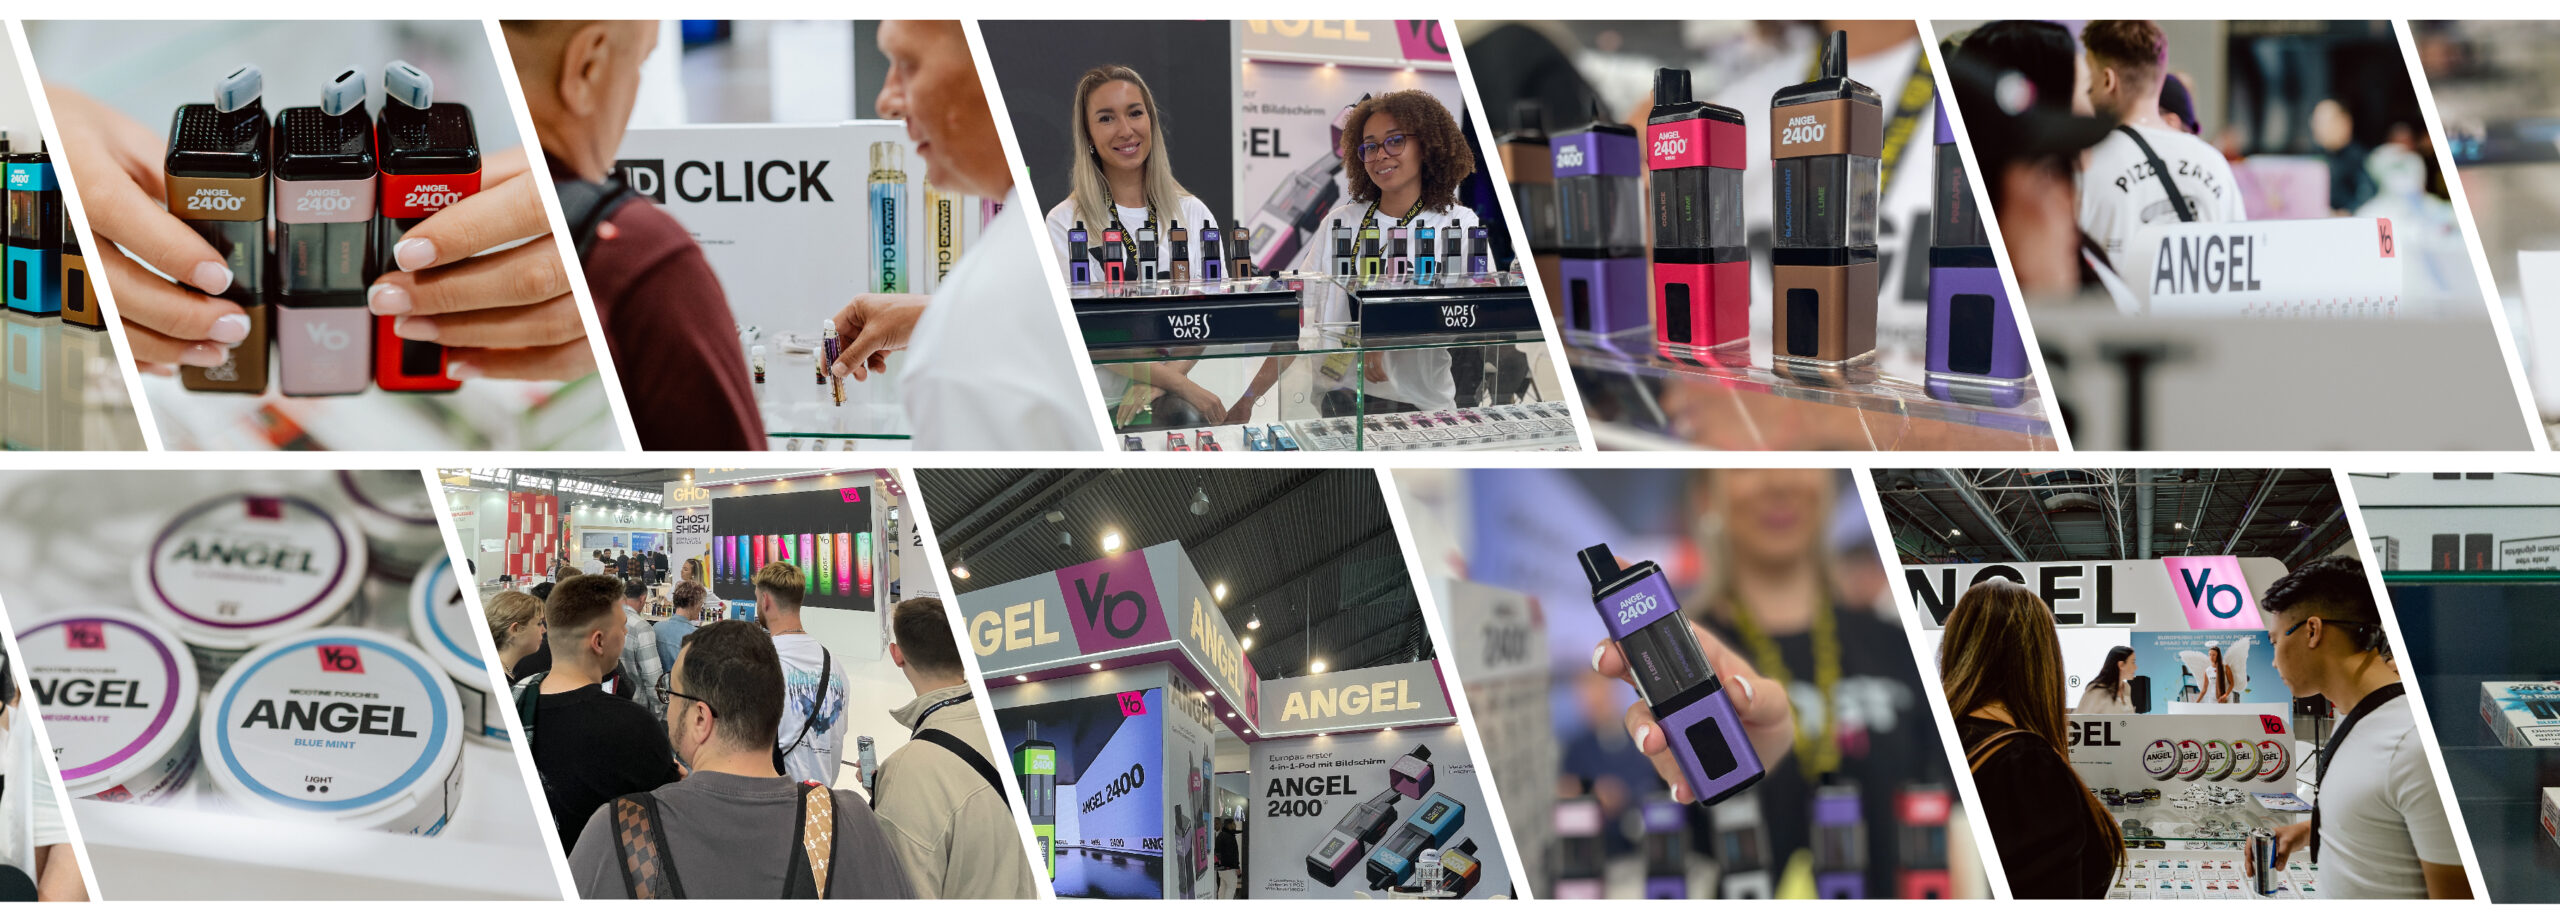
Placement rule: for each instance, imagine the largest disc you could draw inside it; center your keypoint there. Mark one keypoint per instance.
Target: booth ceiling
(1302, 550)
(2055, 515)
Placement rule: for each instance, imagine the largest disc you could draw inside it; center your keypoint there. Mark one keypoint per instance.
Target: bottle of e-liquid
(325, 192)
(429, 154)
(888, 210)
(1181, 243)
(1971, 330)
(1213, 252)
(217, 182)
(1079, 256)
(34, 233)
(1701, 265)
(1671, 672)
(1826, 143)
(1600, 227)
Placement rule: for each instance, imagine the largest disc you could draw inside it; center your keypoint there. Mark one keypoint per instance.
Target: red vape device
(430, 156)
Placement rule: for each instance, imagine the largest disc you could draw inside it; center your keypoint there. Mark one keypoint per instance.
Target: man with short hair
(687, 598)
(588, 745)
(2125, 181)
(641, 663)
(733, 829)
(2378, 828)
(812, 727)
(941, 794)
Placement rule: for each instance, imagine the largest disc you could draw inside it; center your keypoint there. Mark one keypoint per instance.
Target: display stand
(62, 389)
(1635, 398)
(2498, 788)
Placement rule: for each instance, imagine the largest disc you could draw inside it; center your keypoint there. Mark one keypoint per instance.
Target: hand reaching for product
(2289, 838)
(1762, 703)
(116, 162)
(503, 314)
(872, 326)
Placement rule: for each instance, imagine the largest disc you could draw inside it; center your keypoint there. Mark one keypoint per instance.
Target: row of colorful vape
(342, 188)
(1419, 254)
(832, 563)
(943, 227)
(1126, 256)
(47, 275)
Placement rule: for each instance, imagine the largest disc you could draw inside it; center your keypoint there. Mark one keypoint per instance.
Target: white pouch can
(444, 626)
(398, 518)
(118, 695)
(238, 570)
(338, 725)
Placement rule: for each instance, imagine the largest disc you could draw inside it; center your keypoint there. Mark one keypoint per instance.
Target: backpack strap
(640, 844)
(818, 704)
(968, 755)
(529, 700)
(1980, 754)
(587, 205)
(815, 856)
(2160, 170)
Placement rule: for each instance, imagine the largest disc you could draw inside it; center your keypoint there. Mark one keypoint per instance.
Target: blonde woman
(515, 625)
(1123, 176)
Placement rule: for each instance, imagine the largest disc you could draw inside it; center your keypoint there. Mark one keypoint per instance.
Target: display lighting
(1247, 644)
(1219, 591)
(1199, 501)
(1111, 542)
(1316, 666)
(1096, 666)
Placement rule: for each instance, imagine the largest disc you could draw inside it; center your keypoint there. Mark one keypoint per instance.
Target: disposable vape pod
(1212, 252)
(1600, 227)
(79, 292)
(1426, 254)
(1147, 252)
(862, 562)
(1530, 162)
(1129, 249)
(35, 233)
(324, 199)
(1671, 673)
(1432, 823)
(1480, 252)
(888, 216)
(807, 560)
(1181, 242)
(1346, 261)
(430, 158)
(1839, 844)
(1399, 252)
(1411, 775)
(1971, 330)
(844, 564)
(1826, 141)
(1079, 256)
(1373, 255)
(1459, 869)
(822, 577)
(217, 171)
(1453, 242)
(1701, 266)
(943, 233)
(1666, 850)
(1239, 250)
(1115, 253)
(763, 555)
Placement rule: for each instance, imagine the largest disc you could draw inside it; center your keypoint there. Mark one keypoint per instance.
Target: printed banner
(1350, 815)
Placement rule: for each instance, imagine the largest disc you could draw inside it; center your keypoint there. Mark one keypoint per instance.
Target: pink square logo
(852, 494)
(2212, 592)
(1133, 704)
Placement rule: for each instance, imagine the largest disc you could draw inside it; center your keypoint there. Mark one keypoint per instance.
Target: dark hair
(687, 596)
(2111, 675)
(1446, 159)
(924, 637)
(2333, 589)
(732, 665)
(634, 588)
(782, 580)
(2040, 51)
(2000, 648)
(577, 603)
(542, 592)
(2135, 46)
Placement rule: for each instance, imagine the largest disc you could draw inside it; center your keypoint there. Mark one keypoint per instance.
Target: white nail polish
(1748, 695)
(1643, 732)
(1595, 654)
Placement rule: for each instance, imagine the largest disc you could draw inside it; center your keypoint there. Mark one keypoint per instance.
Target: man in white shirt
(813, 693)
(2379, 828)
(2120, 188)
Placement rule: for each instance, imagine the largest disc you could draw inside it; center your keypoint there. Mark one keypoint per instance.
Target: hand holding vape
(1698, 721)
(430, 158)
(217, 182)
(1826, 142)
(325, 189)
(1701, 264)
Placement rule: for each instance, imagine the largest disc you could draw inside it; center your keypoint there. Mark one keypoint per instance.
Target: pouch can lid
(237, 570)
(445, 627)
(341, 725)
(117, 692)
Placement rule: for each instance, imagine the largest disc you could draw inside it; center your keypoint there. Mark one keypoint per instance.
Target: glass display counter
(2188, 846)
(2464, 629)
(1736, 398)
(1315, 362)
(62, 390)
(801, 405)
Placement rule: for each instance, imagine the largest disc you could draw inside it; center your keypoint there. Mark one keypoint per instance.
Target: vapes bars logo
(698, 182)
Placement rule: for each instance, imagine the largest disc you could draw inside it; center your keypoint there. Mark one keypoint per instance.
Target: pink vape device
(844, 564)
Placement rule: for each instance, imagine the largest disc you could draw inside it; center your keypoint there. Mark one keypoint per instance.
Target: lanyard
(1125, 236)
(1409, 214)
(930, 710)
(2320, 773)
(1917, 93)
(1817, 753)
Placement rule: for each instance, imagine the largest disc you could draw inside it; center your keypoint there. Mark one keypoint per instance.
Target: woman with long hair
(515, 625)
(2001, 664)
(2218, 672)
(2110, 691)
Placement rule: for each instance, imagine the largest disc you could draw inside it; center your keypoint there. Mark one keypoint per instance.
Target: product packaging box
(2523, 713)
(2551, 812)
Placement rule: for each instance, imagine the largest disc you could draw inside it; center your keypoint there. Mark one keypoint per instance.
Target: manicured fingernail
(414, 328)
(1748, 694)
(202, 355)
(387, 299)
(840, 370)
(211, 277)
(1643, 732)
(461, 370)
(229, 330)
(1595, 654)
(414, 254)
(1680, 793)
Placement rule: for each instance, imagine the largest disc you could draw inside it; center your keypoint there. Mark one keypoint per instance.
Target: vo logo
(1133, 704)
(2223, 601)
(327, 337)
(341, 659)
(1103, 608)
(89, 637)
(2212, 592)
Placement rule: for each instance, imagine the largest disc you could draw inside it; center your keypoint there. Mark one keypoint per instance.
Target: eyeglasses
(665, 691)
(1394, 145)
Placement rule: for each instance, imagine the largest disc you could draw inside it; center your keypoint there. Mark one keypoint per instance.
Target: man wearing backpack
(941, 794)
(588, 745)
(733, 829)
(812, 718)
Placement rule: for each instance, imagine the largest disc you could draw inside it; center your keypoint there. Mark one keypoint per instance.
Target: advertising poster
(1346, 815)
(2219, 667)
(827, 533)
(690, 538)
(1109, 814)
(1190, 752)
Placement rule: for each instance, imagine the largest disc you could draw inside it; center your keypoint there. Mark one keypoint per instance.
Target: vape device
(1479, 252)
(867, 760)
(1971, 330)
(822, 577)
(862, 562)
(1460, 870)
(845, 564)
(1255, 439)
(1174, 441)
(1432, 824)
(1826, 144)
(1411, 775)
(1372, 254)
(1206, 441)
(325, 190)
(1240, 251)
(1181, 242)
(1345, 262)
(1581, 855)
(1426, 255)
(1529, 160)
(217, 170)
(79, 292)
(2266, 873)
(1079, 266)
(833, 351)
(1701, 264)
(1742, 851)
(1839, 844)
(888, 213)
(1666, 849)
(1130, 250)
(1147, 270)
(1400, 252)
(1114, 255)
(764, 554)
(808, 554)
(1698, 721)
(1212, 252)
(1132, 442)
(35, 233)
(1280, 438)
(942, 213)
(1923, 809)
(1035, 766)
(430, 158)
(1600, 227)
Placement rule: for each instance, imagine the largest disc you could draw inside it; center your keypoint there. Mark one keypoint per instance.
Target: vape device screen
(1666, 660)
(1969, 337)
(1332, 847)
(1804, 320)
(1433, 814)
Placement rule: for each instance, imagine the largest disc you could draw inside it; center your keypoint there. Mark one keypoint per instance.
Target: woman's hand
(1762, 703)
(1133, 400)
(874, 325)
(506, 314)
(116, 162)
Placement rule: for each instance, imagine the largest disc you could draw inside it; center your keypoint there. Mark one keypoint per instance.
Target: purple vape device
(1411, 775)
(1839, 845)
(1672, 674)
(1600, 220)
(1666, 849)
(1971, 330)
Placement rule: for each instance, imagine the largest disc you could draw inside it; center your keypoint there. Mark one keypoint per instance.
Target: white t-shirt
(988, 366)
(818, 757)
(1415, 375)
(30, 817)
(2118, 193)
(1193, 216)
(2379, 812)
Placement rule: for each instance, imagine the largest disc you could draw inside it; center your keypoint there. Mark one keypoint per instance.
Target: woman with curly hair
(1403, 156)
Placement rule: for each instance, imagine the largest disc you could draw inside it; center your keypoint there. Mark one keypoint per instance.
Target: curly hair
(1444, 154)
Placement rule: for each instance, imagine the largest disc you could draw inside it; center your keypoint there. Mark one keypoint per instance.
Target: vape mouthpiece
(1079, 226)
(1528, 118)
(888, 156)
(408, 85)
(240, 89)
(344, 94)
(1835, 55)
(1173, 224)
(1599, 565)
(1670, 86)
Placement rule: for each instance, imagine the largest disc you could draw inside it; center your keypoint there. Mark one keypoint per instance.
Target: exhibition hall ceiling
(2049, 515)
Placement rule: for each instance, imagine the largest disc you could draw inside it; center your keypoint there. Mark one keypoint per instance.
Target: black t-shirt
(591, 747)
(2037, 810)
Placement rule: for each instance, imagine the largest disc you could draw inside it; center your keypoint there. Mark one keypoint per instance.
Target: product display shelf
(60, 389)
(799, 406)
(1635, 398)
(2497, 788)
(2192, 875)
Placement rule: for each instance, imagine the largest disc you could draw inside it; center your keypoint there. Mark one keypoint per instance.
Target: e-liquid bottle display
(1600, 227)
(1671, 672)
(1971, 330)
(35, 233)
(1529, 161)
(1826, 144)
(1701, 265)
(888, 213)
(429, 154)
(325, 190)
(217, 182)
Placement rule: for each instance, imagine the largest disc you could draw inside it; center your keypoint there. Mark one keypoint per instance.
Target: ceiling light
(1199, 501)
(1953, 532)
(2296, 523)
(1316, 666)
(1021, 678)
(1055, 516)
(1231, 715)
(1219, 592)
(2177, 525)
(1247, 643)
(1096, 666)
(1255, 623)
(1209, 693)
(1111, 542)
(960, 572)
